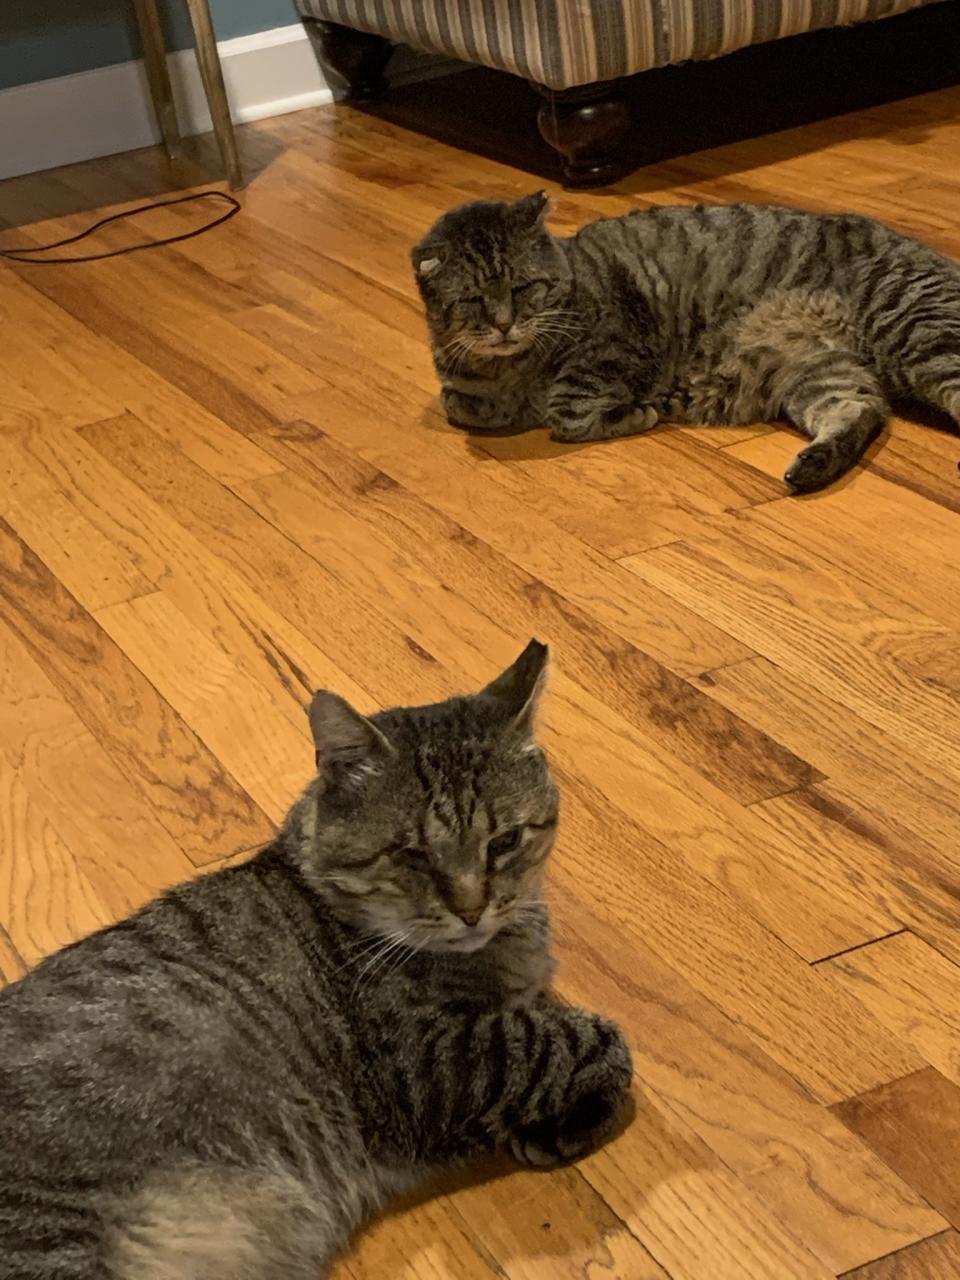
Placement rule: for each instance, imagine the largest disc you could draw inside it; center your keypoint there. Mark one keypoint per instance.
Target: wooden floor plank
(196, 800)
(112, 831)
(81, 556)
(201, 586)
(913, 1125)
(913, 990)
(796, 607)
(395, 665)
(857, 756)
(846, 533)
(338, 504)
(828, 1048)
(936, 1259)
(825, 1187)
(659, 489)
(447, 480)
(46, 901)
(230, 712)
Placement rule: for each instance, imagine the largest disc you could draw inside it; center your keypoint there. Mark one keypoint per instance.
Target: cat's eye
(504, 843)
(415, 859)
(475, 300)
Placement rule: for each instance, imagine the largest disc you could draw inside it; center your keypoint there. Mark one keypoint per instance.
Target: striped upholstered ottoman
(574, 51)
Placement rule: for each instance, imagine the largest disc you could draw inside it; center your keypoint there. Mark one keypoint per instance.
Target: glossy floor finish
(224, 482)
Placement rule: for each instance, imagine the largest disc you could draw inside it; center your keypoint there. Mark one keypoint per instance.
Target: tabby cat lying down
(731, 314)
(225, 1085)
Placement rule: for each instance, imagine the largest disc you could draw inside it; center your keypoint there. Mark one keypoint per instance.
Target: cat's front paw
(473, 413)
(591, 1107)
(816, 467)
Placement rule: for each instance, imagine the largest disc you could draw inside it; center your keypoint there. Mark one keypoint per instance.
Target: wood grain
(197, 801)
(716, 1084)
(113, 832)
(794, 605)
(913, 990)
(225, 482)
(936, 1259)
(913, 1125)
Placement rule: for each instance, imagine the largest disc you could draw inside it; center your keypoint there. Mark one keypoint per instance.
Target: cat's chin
(504, 350)
(465, 944)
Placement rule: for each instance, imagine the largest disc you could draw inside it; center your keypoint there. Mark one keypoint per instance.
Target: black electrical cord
(23, 254)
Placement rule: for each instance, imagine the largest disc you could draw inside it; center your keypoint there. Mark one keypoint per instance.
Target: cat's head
(432, 824)
(493, 279)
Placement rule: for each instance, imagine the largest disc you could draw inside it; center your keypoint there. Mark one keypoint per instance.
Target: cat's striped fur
(225, 1085)
(727, 314)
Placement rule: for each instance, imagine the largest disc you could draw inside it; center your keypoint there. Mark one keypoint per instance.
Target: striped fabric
(561, 43)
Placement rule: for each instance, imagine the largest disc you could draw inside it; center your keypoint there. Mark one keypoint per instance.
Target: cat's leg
(839, 403)
(915, 339)
(548, 1083)
(591, 400)
(930, 369)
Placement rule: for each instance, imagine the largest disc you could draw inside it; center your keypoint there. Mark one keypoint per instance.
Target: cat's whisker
(382, 943)
(359, 949)
(395, 942)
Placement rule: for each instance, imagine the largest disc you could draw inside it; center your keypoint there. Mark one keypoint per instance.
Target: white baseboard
(105, 111)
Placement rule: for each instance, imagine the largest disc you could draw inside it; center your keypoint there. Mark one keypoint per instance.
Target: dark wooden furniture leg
(353, 59)
(586, 125)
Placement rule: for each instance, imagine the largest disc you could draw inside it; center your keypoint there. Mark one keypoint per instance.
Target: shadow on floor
(680, 110)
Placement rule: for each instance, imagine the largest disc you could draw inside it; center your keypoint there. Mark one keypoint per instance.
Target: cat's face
(493, 280)
(432, 825)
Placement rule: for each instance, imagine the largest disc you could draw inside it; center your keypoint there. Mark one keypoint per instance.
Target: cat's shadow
(579, 1233)
(534, 444)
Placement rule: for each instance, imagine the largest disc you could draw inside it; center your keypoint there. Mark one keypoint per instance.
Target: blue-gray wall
(40, 39)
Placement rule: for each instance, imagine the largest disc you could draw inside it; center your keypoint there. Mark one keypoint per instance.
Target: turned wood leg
(158, 78)
(211, 73)
(586, 125)
(353, 59)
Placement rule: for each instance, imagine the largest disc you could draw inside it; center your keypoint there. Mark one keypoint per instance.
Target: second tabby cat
(225, 1085)
(727, 314)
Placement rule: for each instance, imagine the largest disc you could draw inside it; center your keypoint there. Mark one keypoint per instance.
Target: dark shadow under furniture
(584, 116)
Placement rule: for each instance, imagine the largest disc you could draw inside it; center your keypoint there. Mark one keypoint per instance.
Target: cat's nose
(470, 917)
(504, 326)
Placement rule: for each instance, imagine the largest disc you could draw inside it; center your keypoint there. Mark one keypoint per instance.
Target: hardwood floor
(224, 481)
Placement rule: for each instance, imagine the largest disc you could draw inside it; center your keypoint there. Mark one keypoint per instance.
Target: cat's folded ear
(427, 261)
(427, 266)
(344, 739)
(517, 692)
(532, 209)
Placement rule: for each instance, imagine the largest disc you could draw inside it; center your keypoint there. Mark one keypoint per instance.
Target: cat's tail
(212, 1223)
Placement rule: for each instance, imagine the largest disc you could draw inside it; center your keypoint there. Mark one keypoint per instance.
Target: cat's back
(752, 226)
(176, 946)
(204, 993)
(737, 247)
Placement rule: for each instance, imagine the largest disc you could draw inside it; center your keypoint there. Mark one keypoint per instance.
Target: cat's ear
(344, 738)
(532, 210)
(517, 692)
(426, 267)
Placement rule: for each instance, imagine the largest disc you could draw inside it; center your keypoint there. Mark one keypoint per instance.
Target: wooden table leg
(158, 78)
(212, 75)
